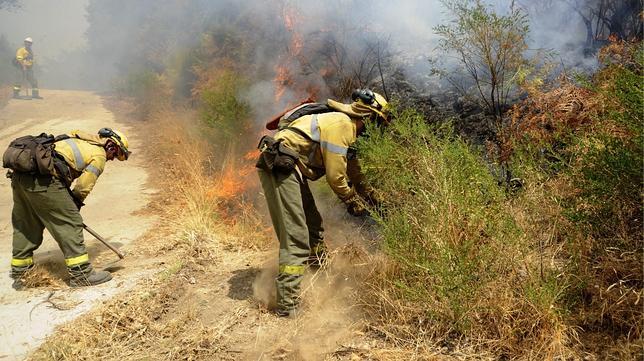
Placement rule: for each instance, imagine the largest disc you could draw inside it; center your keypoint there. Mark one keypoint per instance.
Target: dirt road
(29, 316)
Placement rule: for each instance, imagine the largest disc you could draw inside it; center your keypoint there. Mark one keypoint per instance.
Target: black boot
(18, 274)
(35, 94)
(84, 275)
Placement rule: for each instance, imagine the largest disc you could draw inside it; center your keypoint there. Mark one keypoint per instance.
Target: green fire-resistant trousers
(22, 76)
(298, 226)
(41, 202)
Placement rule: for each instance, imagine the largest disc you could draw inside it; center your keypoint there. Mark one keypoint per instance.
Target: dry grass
(545, 115)
(46, 276)
(143, 325)
(211, 191)
(409, 331)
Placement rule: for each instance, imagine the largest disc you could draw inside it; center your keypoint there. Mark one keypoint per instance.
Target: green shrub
(461, 259)
(490, 49)
(222, 107)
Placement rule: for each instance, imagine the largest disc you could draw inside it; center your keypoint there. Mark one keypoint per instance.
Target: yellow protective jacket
(322, 141)
(85, 155)
(25, 57)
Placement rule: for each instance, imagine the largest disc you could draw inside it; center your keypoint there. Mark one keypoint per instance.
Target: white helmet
(29, 40)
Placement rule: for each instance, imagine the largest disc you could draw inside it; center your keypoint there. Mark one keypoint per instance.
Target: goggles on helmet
(367, 97)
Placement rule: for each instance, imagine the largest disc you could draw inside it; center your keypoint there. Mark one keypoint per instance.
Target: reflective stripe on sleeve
(78, 157)
(90, 168)
(292, 269)
(315, 131)
(334, 148)
(17, 262)
(75, 261)
(315, 136)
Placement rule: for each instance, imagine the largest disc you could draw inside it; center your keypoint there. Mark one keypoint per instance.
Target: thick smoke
(119, 37)
(58, 29)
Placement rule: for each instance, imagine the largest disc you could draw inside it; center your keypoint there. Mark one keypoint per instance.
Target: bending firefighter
(24, 63)
(308, 145)
(46, 201)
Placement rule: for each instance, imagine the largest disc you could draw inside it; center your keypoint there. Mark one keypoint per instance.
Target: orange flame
(234, 179)
(228, 185)
(252, 155)
(283, 76)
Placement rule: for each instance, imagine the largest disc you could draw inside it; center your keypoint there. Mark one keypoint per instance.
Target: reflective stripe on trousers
(16, 262)
(75, 261)
(292, 269)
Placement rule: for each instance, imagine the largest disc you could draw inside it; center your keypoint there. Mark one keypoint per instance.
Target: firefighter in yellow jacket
(45, 202)
(308, 148)
(24, 62)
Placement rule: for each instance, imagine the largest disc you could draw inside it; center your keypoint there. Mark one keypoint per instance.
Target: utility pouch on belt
(275, 156)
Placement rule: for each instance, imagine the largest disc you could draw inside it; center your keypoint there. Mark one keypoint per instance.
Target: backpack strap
(300, 132)
(61, 137)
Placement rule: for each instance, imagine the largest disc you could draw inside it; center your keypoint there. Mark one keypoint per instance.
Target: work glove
(356, 206)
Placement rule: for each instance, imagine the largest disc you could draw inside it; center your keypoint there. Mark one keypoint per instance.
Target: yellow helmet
(119, 139)
(365, 104)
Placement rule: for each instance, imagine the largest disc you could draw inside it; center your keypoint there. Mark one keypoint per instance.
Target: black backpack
(32, 154)
(306, 109)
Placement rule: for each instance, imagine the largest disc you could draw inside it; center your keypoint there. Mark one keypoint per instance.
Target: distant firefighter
(313, 140)
(24, 62)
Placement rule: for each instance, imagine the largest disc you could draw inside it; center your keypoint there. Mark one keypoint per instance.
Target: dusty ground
(29, 316)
